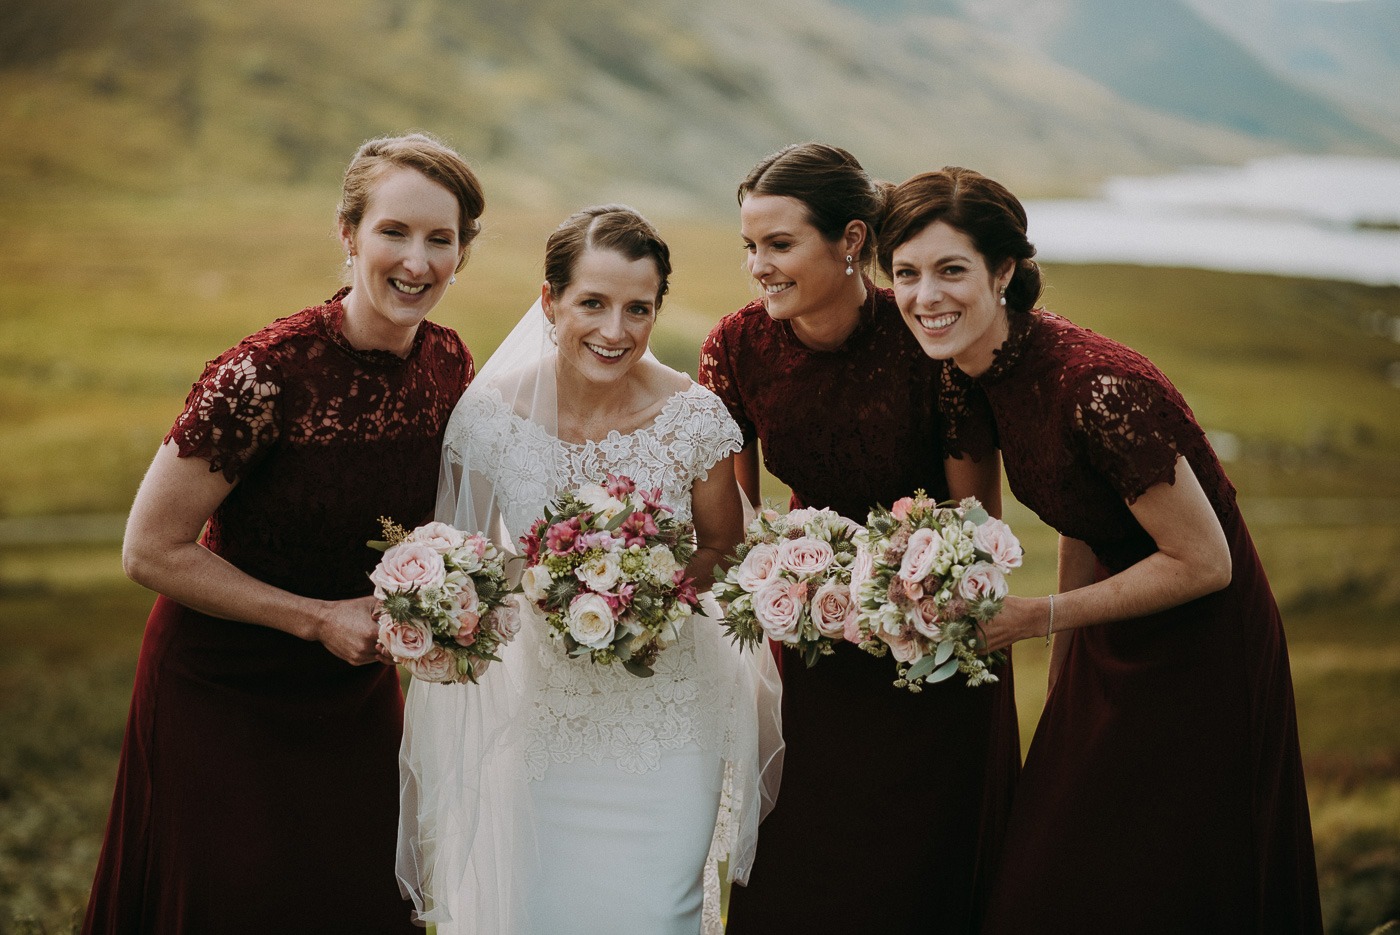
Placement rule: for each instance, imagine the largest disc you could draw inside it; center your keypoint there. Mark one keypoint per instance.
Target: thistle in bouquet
(606, 564)
(928, 576)
(791, 582)
(445, 606)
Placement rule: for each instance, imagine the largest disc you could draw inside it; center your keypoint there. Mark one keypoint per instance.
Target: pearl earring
(349, 261)
(1003, 296)
(849, 268)
(452, 280)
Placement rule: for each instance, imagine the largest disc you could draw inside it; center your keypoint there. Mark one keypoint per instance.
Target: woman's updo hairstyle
(604, 227)
(831, 184)
(983, 209)
(427, 155)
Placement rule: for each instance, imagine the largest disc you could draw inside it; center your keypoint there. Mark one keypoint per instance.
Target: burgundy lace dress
(258, 785)
(848, 429)
(1163, 792)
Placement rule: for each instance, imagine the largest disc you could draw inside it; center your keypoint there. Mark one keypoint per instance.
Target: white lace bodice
(578, 708)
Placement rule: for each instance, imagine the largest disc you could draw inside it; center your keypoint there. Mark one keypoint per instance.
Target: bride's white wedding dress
(561, 796)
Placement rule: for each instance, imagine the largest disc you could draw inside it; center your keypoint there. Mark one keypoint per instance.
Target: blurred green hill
(667, 103)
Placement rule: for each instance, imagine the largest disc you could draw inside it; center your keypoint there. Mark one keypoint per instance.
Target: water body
(1319, 217)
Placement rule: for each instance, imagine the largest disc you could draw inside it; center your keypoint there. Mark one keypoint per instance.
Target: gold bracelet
(1050, 630)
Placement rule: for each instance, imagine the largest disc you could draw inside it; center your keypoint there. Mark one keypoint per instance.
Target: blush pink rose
(404, 640)
(995, 538)
(919, 555)
(505, 619)
(832, 609)
(438, 664)
(983, 581)
(901, 508)
(926, 618)
(440, 536)
(778, 608)
(903, 647)
(862, 568)
(758, 567)
(805, 556)
(410, 566)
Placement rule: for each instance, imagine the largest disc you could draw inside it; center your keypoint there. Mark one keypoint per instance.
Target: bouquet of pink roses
(791, 582)
(928, 575)
(606, 565)
(444, 604)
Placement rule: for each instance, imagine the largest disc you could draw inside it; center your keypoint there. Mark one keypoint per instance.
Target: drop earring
(452, 280)
(349, 259)
(849, 268)
(1003, 297)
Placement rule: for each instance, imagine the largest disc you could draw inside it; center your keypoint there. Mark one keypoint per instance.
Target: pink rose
(410, 566)
(758, 566)
(902, 646)
(505, 619)
(805, 556)
(919, 555)
(440, 536)
(438, 664)
(926, 618)
(983, 582)
(901, 508)
(994, 538)
(833, 609)
(778, 607)
(862, 568)
(404, 640)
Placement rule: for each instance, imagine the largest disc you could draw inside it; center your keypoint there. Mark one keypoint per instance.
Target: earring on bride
(550, 333)
(849, 268)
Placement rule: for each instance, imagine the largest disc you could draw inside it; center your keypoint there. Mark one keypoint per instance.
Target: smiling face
(603, 318)
(949, 298)
(801, 272)
(405, 250)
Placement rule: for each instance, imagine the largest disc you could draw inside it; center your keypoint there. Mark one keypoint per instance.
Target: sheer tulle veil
(467, 838)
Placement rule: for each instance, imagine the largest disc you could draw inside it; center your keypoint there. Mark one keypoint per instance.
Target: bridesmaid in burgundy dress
(258, 785)
(1163, 791)
(824, 377)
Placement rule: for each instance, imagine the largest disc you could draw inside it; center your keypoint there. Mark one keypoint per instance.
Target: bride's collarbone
(582, 419)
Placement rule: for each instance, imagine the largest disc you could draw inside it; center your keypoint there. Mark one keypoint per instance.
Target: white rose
(597, 499)
(536, 581)
(591, 621)
(600, 573)
(662, 563)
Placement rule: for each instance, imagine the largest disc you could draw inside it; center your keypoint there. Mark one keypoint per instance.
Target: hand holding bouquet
(606, 564)
(930, 573)
(444, 604)
(792, 582)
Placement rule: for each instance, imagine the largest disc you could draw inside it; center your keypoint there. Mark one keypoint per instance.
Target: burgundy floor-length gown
(1163, 791)
(258, 785)
(892, 804)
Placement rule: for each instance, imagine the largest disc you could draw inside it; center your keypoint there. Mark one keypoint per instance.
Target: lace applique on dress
(581, 709)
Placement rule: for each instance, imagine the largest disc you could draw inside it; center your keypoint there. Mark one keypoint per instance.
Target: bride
(558, 795)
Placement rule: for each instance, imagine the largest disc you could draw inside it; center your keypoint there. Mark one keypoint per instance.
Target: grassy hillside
(109, 307)
(670, 103)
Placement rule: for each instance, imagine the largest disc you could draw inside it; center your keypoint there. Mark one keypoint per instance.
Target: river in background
(1320, 217)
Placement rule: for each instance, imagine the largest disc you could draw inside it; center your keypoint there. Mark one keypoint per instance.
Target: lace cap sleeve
(1126, 423)
(969, 428)
(704, 432)
(230, 416)
(716, 374)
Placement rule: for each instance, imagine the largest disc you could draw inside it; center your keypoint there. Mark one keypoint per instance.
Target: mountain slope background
(667, 105)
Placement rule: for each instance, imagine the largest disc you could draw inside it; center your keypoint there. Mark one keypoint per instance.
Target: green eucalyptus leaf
(921, 668)
(940, 655)
(976, 516)
(637, 669)
(944, 671)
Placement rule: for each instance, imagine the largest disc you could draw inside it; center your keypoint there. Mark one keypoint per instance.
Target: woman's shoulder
(1083, 354)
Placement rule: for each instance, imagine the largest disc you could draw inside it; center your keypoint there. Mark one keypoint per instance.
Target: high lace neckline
(864, 323)
(1018, 338)
(333, 324)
